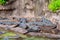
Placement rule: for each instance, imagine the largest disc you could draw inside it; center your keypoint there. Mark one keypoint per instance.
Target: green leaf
(54, 5)
(3, 2)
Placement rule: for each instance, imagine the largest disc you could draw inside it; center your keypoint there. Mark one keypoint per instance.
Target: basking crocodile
(31, 26)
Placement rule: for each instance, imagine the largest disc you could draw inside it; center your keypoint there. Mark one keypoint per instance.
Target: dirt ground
(30, 9)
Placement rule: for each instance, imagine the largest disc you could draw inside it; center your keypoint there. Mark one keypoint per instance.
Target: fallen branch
(48, 35)
(20, 30)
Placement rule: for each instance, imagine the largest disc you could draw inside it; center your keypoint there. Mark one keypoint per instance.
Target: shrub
(54, 5)
(3, 2)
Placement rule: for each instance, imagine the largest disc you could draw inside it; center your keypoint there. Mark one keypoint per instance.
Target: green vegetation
(54, 5)
(24, 37)
(9, 34)
(37, 38)
(3, 2)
